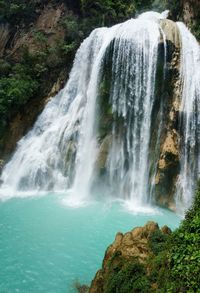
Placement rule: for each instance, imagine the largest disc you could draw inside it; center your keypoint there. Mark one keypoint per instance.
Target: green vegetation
(108, 12)
(184, 255)
(14, 11)
(128, 278)
(173, 265)
(176, 8)
(31, 71)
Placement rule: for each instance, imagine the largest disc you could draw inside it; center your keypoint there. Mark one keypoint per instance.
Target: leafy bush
(157, 242)
(130, 278)
(15, 10)
(15, 91)
(106, 13)
(176, 264)
(185, 251)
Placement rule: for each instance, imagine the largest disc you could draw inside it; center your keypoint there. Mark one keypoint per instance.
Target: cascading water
(132, 97)
(116, 66)
(189, 118)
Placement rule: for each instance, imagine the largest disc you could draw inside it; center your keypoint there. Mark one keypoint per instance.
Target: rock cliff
(128, 254)
(43, 31)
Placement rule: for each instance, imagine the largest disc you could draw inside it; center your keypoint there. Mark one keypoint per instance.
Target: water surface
(45, 246)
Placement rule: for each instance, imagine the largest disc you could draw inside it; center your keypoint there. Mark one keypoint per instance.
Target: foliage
(185, 251)
(16, 90)
(175, 7)
(128, 278)
(174, 265)
(36, 69)
(157, 242)
(108, 12)
(16, 10)
(159, 5)
(177, 12)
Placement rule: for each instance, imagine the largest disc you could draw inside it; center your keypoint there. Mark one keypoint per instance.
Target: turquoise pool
(46, 246)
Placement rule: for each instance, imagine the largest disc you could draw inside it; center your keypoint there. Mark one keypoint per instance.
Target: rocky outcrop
(103, 152)
(129, 248)
(168, 161)
(187, 11)
(45, 31)
(170, 29)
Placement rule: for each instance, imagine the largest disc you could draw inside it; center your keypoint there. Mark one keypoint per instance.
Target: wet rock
(168, 162)
(103, 151)
(171, 31)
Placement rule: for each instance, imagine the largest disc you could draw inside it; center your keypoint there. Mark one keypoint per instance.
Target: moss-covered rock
(124, 266)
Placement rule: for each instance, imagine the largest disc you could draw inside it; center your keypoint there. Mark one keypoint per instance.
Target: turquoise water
(46, 246)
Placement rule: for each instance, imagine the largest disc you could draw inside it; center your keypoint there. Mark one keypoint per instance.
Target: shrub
(130, 278)
(157, 242)
(185, 251)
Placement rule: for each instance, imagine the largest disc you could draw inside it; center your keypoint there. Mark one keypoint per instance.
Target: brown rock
(166, 230)
(118, 239)
(137, 232)
(171, 31)
(103, 151)
(126, 248)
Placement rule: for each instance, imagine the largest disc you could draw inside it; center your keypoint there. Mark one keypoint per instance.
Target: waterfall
(189, 118)
(46, 157)
(104, 116)
(132, 98)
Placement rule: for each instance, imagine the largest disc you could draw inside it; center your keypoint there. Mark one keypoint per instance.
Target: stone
(166, 230)
(127, 240)
(127, 248)
(171, 31)
(118, 239)
(171, 145)
(103, 151)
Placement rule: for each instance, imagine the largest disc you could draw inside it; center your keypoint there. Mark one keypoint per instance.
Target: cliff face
(191, 11)
(41, 33)
(187, 11)
(38, 40)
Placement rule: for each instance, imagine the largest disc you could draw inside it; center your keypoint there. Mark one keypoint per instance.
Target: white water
(132, 97)
(190, 118)
(61, 150)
